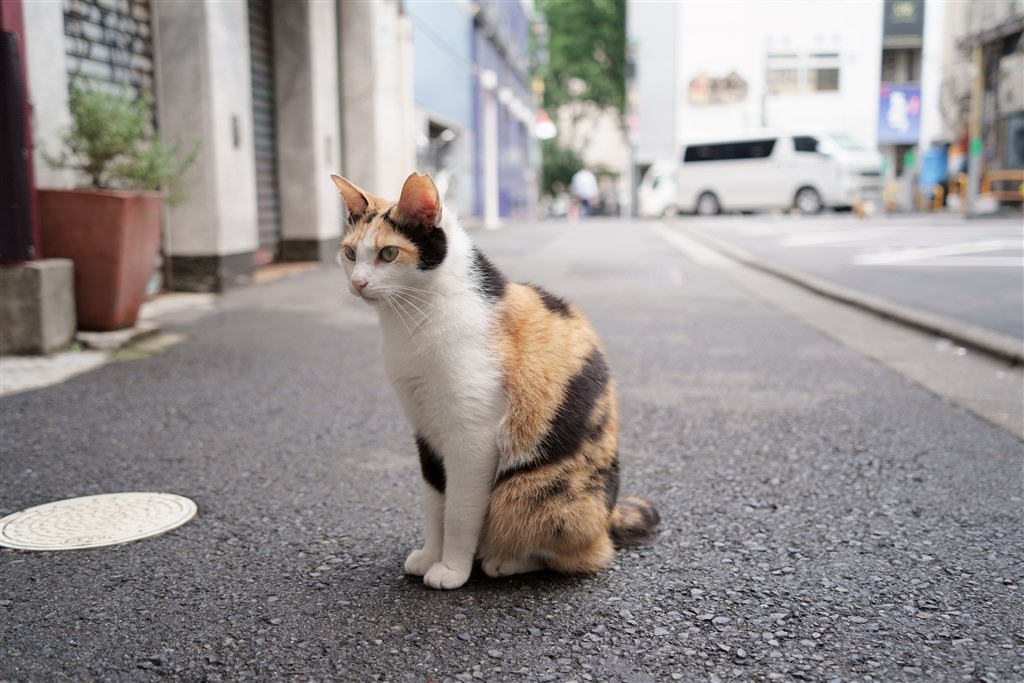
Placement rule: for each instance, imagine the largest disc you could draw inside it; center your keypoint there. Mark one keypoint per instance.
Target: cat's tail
(633, 522)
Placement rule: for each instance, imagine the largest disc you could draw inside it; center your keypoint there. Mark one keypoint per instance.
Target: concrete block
(37, 307)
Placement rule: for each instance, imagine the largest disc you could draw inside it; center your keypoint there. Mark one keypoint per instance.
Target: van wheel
(707, 205)
(808, 201)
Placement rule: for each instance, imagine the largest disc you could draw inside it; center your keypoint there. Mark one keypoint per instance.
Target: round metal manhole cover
(95, 521)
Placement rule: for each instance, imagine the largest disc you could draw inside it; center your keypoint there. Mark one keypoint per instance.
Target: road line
(920, 253)
(693, 250)
(962, 262)
(810, 239)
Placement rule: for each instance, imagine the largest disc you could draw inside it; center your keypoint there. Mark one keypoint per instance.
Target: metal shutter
(261, 49)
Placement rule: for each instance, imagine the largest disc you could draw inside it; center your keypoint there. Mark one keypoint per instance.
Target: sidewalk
(91, 350)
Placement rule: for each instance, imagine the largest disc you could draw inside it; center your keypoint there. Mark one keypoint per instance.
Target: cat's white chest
(445, 374)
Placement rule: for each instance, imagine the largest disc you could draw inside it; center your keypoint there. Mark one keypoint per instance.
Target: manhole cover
(95, 521)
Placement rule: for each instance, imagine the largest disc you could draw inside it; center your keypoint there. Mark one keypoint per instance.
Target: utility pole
(976, 143)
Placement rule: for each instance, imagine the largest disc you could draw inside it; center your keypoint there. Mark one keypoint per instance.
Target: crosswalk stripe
(919, 253)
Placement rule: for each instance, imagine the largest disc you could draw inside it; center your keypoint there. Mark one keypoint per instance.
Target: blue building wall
(450, 48)
(442, 54)
(501, 45)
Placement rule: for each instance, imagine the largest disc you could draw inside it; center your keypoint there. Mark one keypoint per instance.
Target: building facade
(277, 95)
(896, 75)
(983, 82)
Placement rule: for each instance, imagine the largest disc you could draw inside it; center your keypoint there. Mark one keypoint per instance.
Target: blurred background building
(279, 94)
(896, 76)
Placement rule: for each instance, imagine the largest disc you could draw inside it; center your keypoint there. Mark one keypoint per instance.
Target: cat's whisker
(399, 312)
(425, 318)
(419, 290)
(413, 297)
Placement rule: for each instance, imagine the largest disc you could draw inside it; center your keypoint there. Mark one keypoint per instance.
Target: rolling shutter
(264, 129)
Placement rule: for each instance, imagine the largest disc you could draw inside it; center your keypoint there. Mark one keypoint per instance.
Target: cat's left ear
(420, 203)
(355, 199)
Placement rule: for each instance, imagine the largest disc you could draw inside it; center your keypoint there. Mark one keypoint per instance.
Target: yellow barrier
(1005, 175)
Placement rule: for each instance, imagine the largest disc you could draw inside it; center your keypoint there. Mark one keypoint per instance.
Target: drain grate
(95, 521)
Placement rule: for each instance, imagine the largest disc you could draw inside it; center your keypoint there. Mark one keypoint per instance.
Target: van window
(730, 151)
(805, 144)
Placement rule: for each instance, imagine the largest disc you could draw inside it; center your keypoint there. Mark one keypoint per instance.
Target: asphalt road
(967, 270)
(824, 518)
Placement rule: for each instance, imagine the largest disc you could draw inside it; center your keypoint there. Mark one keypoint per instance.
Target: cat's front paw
(442, 576)
(419, 562)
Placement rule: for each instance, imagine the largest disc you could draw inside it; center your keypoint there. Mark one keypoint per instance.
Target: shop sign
(899, 115)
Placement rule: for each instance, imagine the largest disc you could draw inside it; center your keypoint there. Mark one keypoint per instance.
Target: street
(824, 517)
(968, 270)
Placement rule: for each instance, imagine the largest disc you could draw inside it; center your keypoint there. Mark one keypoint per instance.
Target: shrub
(111, 144)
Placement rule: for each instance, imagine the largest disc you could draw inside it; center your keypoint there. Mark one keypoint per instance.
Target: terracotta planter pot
(113, 238)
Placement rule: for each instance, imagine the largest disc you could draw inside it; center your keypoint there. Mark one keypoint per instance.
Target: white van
(806, 171)
(657, 194)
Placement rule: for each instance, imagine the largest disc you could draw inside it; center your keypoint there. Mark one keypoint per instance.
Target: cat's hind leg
(497, 566)
(589, 559)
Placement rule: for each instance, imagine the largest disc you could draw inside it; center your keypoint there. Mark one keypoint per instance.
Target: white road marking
(966, 262)
(693, 250)
(902, 256)
(808, 239)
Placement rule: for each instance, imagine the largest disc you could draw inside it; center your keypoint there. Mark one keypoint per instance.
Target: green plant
(110, 143)
(559, 164)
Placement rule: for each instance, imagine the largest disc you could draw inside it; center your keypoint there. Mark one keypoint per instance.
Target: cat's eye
(388, 254)
(350, 253)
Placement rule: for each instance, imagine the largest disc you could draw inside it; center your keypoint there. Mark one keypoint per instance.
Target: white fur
(436, 333)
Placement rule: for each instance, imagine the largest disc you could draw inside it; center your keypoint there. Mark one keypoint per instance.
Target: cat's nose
(359, 284)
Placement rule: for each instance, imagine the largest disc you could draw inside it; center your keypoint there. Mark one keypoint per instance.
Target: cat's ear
(420, 203)
(355, 199)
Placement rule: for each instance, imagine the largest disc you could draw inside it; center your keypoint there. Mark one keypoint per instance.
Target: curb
(1000, 346)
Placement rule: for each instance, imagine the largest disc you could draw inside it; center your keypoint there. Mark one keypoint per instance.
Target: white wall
(652, 29)
(308, 126)
(47, 88)
(377, 99)
(716, 38)
(205, 93)
(931, 73)
(323, 33)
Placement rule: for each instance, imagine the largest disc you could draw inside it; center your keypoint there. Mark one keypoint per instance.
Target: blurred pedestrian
(584, 189)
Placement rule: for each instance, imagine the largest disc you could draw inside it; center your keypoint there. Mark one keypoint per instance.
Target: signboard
(899, 115)
(904, 23)
(704, 89)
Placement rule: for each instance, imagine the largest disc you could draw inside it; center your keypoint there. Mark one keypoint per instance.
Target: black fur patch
(489, 280)
(431, 465)
(568, 429)
(559, 486)
(611, 483)
(430, 241)
(552, 302)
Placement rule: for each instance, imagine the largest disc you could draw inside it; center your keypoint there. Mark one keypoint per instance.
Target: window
(789, 74)
(783, 77)
(823, 73)
(805, 144)
(730, 151)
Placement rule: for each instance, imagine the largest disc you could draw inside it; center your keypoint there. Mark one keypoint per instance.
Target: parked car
(657, 196)
(806, 171)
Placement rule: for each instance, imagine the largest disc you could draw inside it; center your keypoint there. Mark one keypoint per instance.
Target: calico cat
(506, 389)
